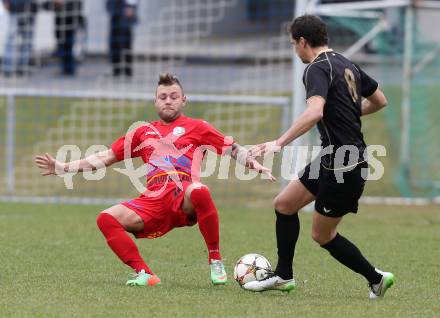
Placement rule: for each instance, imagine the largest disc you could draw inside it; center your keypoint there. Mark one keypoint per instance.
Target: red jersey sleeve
(124, 146)
(212, 137)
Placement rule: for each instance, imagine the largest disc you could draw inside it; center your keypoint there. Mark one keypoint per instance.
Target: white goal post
(87, 118)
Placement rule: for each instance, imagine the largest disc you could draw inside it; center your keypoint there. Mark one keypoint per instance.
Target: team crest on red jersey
(178, 131)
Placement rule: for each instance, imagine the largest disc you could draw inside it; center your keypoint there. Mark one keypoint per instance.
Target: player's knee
(320, 237)
(201, 198)
(104, 220)
(101, 220)
(281, 205)
(200, 191)
(197, 186)
(316, 236)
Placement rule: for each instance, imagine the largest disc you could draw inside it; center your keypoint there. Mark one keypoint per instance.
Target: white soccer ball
(251, 267)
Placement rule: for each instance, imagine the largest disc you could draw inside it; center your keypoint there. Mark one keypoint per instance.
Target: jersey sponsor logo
(162, 155)
(182, 163)
(178, 131)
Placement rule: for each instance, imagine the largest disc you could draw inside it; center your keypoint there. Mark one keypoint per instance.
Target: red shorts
(163, 212)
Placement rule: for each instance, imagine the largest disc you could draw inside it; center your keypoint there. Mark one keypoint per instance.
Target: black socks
(287, 231)
(349, 255)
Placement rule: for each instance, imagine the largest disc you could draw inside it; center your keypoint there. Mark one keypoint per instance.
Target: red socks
(207, 218)
(124, 247)
(120, 243)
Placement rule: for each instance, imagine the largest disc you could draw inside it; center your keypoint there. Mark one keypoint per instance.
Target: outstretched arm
(312, 115)
(50, 166)
(374, 103)
(241, 155)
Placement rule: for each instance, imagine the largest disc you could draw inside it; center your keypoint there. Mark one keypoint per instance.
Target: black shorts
(334, 198)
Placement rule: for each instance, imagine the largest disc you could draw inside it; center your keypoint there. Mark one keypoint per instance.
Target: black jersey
(342, 84)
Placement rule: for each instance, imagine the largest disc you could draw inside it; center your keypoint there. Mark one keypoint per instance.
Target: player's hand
(255, 165)
(268, 173)
(266, 148)
(49, 165)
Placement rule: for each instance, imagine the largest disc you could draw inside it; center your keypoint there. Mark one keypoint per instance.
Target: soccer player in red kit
(172, 149)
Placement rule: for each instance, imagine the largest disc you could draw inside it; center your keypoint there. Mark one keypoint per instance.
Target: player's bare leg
(198, 201)
(114, 224)
(287, 204)
(325, 234)
(324, 228)
(293, 198)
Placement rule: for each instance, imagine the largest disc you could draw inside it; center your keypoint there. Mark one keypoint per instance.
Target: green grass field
(55, 263)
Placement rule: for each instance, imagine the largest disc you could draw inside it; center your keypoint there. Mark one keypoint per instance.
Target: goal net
(231, 56)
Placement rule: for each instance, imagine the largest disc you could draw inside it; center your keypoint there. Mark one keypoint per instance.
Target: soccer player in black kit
(334, 90)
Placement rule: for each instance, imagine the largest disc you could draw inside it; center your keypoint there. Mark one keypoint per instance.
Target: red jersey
(169, 149)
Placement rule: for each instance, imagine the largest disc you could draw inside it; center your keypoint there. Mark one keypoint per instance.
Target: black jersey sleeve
(316, 81)
(368, 84)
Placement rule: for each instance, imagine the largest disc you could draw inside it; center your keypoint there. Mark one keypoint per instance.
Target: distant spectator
(123, 17)
(68, 20)
(18, 48)
(395, 18)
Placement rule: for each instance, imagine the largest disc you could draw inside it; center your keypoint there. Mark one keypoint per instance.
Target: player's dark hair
(311, 28)
(168, 79)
